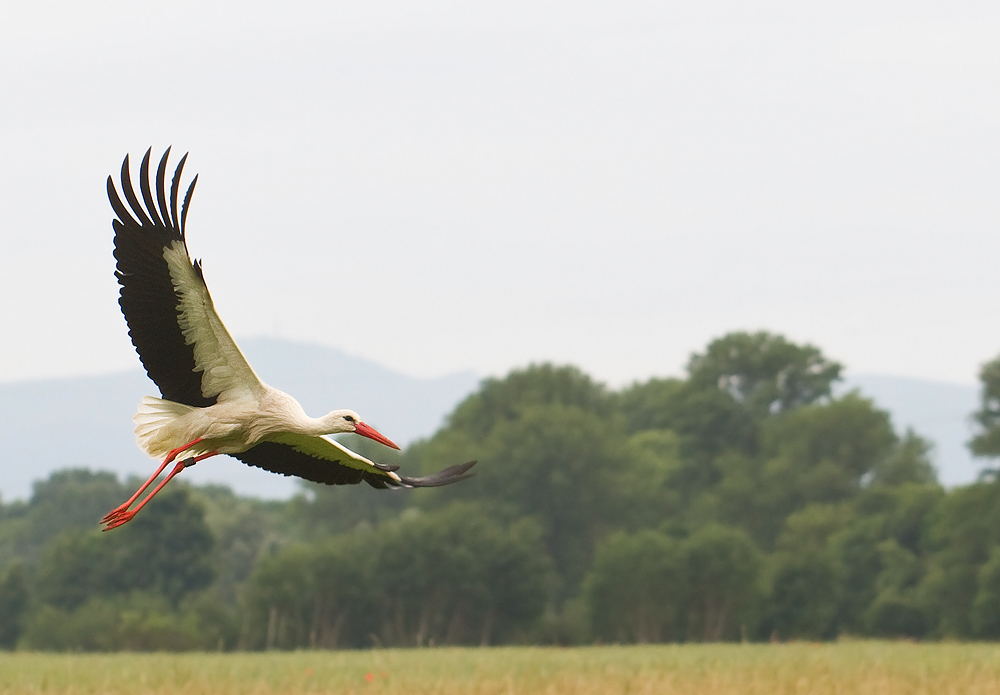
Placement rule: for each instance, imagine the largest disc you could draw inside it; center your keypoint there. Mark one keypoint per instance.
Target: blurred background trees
(743, 501)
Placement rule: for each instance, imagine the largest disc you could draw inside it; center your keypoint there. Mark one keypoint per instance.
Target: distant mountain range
(47, 425)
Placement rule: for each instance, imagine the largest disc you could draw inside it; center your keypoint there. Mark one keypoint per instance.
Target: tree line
(743, 501)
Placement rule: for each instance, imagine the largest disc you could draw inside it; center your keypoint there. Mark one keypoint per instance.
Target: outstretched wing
(185, 348)
(323, 460)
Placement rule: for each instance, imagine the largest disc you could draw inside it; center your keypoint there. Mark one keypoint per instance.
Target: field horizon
(860, 667)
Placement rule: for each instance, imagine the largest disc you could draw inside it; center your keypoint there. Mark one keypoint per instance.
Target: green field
(878, 668)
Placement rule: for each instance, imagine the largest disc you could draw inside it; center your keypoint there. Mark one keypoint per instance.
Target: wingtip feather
(130, 196)
(174, 190)
(147, 195)
(185, 204)
(449, 475)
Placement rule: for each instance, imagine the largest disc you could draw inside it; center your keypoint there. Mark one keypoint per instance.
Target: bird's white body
(229, 427)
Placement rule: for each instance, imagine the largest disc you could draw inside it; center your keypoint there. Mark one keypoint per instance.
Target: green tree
(854, 548)
(650, 405)
(280, 595)
(710, 424)
(137, 621)
(453, 576)
(805, 581)
(816, 454)
(322, 594)
(961, 534)
(741, 380)
(549, 441)
(908, 462)
(68, 499)
(848, 436)
(75, 566)
(500, 400)
(73, 498)
(987, 442)
(13, 605)
(882, 520)
(519, 579)
(166, 549)
(558, 464)
(647, 491)
(708, 420)
(723, 565)
(896, 610)
(244, 530)
(819, 454)
(637, 589)
(456, 576)
(986, 604)
(803, 592)
(764, 372)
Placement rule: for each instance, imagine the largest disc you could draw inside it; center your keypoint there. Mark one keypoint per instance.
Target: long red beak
(370, 432)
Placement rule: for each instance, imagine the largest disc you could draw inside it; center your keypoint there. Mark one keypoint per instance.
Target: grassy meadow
(857, 668)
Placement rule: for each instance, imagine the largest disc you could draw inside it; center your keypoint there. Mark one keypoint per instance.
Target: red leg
(114, 513)
(126, 516)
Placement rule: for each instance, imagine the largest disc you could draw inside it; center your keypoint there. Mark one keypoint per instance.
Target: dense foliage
(741, 502)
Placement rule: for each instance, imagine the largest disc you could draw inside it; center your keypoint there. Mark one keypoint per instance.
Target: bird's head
(348, 421)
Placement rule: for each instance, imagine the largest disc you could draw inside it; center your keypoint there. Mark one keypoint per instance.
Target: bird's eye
(350, 418)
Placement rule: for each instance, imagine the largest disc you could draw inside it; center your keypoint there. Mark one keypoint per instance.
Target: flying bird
(211, 401)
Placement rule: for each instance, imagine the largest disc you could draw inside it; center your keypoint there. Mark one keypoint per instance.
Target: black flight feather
(147, 196)
(286, 460)
(148, 298)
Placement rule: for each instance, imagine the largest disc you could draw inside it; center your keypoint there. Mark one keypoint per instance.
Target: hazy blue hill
(936, 410)
(87, 422)
(68, 423)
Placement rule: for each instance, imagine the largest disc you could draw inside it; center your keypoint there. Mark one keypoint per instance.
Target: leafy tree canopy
(167, 549)
(500, 400)
(763, 371)
(987, 442)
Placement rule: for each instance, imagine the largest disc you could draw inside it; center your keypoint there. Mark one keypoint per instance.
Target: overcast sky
(444, 186)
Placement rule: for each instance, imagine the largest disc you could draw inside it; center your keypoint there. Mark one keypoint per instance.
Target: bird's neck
(331, 423)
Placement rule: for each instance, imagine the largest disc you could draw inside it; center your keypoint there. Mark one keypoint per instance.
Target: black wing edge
(147, 296)
(449, 475)
(285, 460)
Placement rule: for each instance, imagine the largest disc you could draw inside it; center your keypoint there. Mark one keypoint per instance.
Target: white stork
(211, 400)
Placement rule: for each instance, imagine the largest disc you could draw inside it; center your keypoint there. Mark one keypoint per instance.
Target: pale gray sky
(440, 186)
